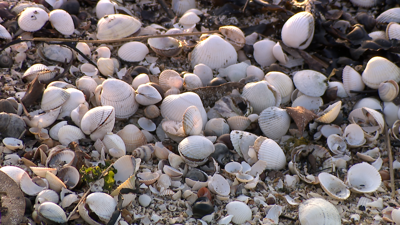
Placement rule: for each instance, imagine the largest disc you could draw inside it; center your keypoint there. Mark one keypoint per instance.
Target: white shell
(310, 82)
(89, 70)
(368, 102)
(76, 98)
(38, 69)
(116, 26)
(166, 46)
(238, 122)
(52, 212)
(68, 134)
(169, 79)
(14, 172)
(240, 211)
(192, 121)
(53, 97)
(263, 52)
(85, 49)
(133, 51)
(363, 178)
(234, 72)
(336, 144)
(42, 120)
(29, 187)
(144, 200)
(330, 113)
(233, 35)
(13, 143)
(152, 111)
(393, 31)
(47, 195)
(106, 66)
(390, 15)
(62, 21)
(354, 135)
(195, 150)
(41, 171)
(189, 19)
(219, 185)
(216, 127)
(32, 19)
(333, 186)
(282, 83)
(214, 52)
(390, 111)
(274, 122)
(270, 96)
(102, 204)
(191, 81)
(273, 154)
(104, 7)
(146, 94)
(146, 124)
(388, 90)
(318, 211)
(254, 71)
(378, 70)
(114, 144)
(78, 113)
(4, 33)
(341, 92)
(204, 73)
(279, 54)
(241, 141)
(86, 84)
(181, 6)
(140, 79)
(98, 121)
(298, 31)
(132, 137)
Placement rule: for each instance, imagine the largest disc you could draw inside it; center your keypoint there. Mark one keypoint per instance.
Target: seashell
(40, 70)
(368, 102)
(234, 72)
(54, 182)
(282, 83)
(365, 4)
(195, 150)
(202, 206)
(69, 133)
(279, 54)
(98, 121)
(70, 176)
(341, 92)
(233, 35)
(214, 52)
(240, 211)
(133, 51)
(204, 73)
(310, 82)
(166, 46)
(241, 142)
(379, 70)
(97, 199)
(233, 168)
(106, 66)
(181, 6)
(126, 167)
(116, 26)
(41, 171)
(148, 178)
(14, 172)
(85, 49)
(219, 185)
(89, 70)
(238, 122)
(370, 155)
(32, 19)
(254, 71)
(146, 124)
(330, 113)
(175, 174)
(390, 111)
(263, 52)
(60, 84)
(390, 15)
(354, 135)
(4, 34)
(86, 84)
(52, 212)
(68, 200)
(114, 144)
(191, 81)
(192, 121)
(62, 21)
(13, 143)
(172, 91)
(216, 127)
(132, 137)
(388, 90)
(189, 19)
(271, 96)
(147, 95)
(169, 79)
(40, 119)
(392, 31)
(78, 113)
(29, 187)
(333, 186)
(105, 7)
(318, 211)
(53, 97)
(144, 200)
(140, 79)
(47, 195)
(298, 30)
(274, 122)
(152, 111)
(272, 153)
(58, 156)
(363, 178)
(76, 98)
(55, 53)
(336, 144)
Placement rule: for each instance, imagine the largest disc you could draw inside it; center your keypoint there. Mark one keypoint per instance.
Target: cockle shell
(390, 15)
(152, 111)
(271, 96)
(89, 70)
(52, 212)
(132, 137)
(40, 119)
(274, 122)
(147, 95)
(214, 52)
(47, 195)
(333, 186)
(147, 124)
(279, 54)
(105, 7)
(298, 30)
(354, 135)
(13, 143)
(318, 211)
(219, 185)
(238, 122)
(62, 21)
(216, 127)
(263, 52)
(116, 26)
(39, 69)
(166, 46)
(282, 83)
(241, 141)
(364, 3)
(195, 150)
(69, 133)
(189, 19)
(114, 144)
(240, 211)
(233, 35)
(273, 154)
(55, 53)
(140, 79)
(204, 72)
(388, 90)
(53, 97)
(32, 19)
(368, 102)
(330, 113)
(310, 82)
(363, 178)
(133, 51)
(78, 113)
(390, 111)
(341, 92)
(102, 204)
(393, 31)
(87, 85)
(336, 144)
(70, 176)
(181, 6)
(76, 97)
(85, 49)
(169, 79)
(254, 71)
(378, 70)
(4, 33)
(58, 156)
(148, 178)
(235, 72)
(192, 121)
(98, 121)
(106, 66)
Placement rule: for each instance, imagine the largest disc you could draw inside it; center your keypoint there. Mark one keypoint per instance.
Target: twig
(389, 149)
(245, 6)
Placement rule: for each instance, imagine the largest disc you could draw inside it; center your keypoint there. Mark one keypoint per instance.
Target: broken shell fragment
(333, 186)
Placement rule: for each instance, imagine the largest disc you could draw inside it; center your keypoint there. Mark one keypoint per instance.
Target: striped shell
(32, 19)
(298, 31)
(274, 122)
(282, 83)
(364, 3)
(76, 97)
(98, 121)
(352, 80)
(53, 97)
(52, 212)
(390, 15)
(146, 94)
(133, 51)
(238, 122)
(273, 154)
(216, 127)
(195, 150)
(181, 6)
(388, 90)
(116, 26)
(378, 70)
(39, 69)
(102, 204)
(393, 31)
(192, 121)
(132, 137)
(69, 133)
(62, 21)
(310, 82)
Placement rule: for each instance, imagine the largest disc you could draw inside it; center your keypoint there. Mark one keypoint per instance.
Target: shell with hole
(132, 137)
(116, 26)
(274, 122)
(166, 46)
(98, 121)
(32, 19)
(318, 211)
(298, 30)
(62, 21)
(195, 150)
(133, 51)
(379, 70)
(270, 97)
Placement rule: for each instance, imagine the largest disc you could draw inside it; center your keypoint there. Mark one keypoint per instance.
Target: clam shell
(47, 195)
(13, 143)
(191, 81)
(54, 182)
(195, 150)
(240, 211)
(116, 26)
(364, 3)
(336, 144)
(76, 98)
(273, 154)
(298, 31)
(393, 31)
(58, 156)
(52, 212)
(53, 97)
(333, 186)
(78, 113)
(42, 120)
(233, 35)
(219, 185)
(181, 6)
(126, 167)
(241, 141)
(390, 15)
(98, 121)
(282, 83)
(214, 52)
(41, 171)
(354, 135)
(148, 178)
(4, 33)
(192, 121)
(279, 54)
(29, 187)
(69, 133)
(32, 19)
(62, 21)
(70, 176)
(388, 90)
(263, 52)
(169, 79)
(133, 51)
(318, 211)
(341, 92)
(390, 111)
(274, 122)
(152, 111)
(89, 70)
(271, 96)
(368, 102)
(147, 95)
(254, 71)
(14, 172)
(189, 19)
(330, 113)
(114, 144)
(379, 70)
(86, 84)
(42, 70)
(235, 72)
(238, 122)
(132, 137)
(166, 46)
(105, 7)
(102, 204)
(363, 178)
(140, 79)
(106, 66)
(55, 53)
(310, 82)
(146, 124)
(85, 49)
(216, 127)
(204, 72)
(233, 168)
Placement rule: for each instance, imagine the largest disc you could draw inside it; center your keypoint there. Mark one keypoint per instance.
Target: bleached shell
(116, 26)
(341, 92)
(273, 154)
(388, 90)
(233, 167)
(129, 183)
(52, 212)
(54, 182)
(240, 211)
(126, 167)
(166, 46)
(333, 186)
(174, 106)
(146, 124)
(13, 143)
(76, 97)
(115, 145)
(86, 84)
(69, 133)
(192, 121)
(181, 6)
(55, 53)
(105, 7)
(234, 72)
(42, 120)
(216, 127)
(4, 34)
(47, 195)
(378, 70)
(58, 156)
(14, 172)
(32, 19)
(70, 176)
(106, 66)
(390, 15)
(214, 52)
(78, 113)
(219, 185)
(393, 31)
(330, 113)
(69, 200)
(233, 35)
(191, 81)
(85, 49)
(41, 171)
(38, 69)
(368, 102)
(152, 111)
(282, 82)
(53, 97)
(98, 121)
(310, 82)
(318, 211)
(62, 21)
(132, 137)
(363, 178)
(352, 80)
(195, 150)
(274, 122)
(254, 71)
(238, 122)
(144, 200)
(89, 70)
(189, 19)
(390, 111)
(29, 187)
(336, 144)
(146, 94)
(298, 30)
(140, 79)
(263, 52)
(102, 204)
(174, 173)
(354, 135)
(279, 54)
(204, 73)
(148, 178)
(169, 79)
(241, 141)
(133, 51)
(270, 96)
(172, 91)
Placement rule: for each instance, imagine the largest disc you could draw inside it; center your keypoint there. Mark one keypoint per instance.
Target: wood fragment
(390, 154)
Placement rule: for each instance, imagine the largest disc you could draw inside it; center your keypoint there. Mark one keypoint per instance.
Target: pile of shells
(294, 117)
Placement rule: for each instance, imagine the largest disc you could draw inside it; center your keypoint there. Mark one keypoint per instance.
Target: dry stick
(389, 149)
(245, 6)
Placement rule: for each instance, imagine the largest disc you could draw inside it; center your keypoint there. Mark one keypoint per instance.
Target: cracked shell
(116, 26)
(310, 82)
(298, 31)
(32, 19)
(62, 21)
(195, 150)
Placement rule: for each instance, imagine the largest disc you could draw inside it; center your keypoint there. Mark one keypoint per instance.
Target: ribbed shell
(192, 121)
(282, 82)
(53, 97)
(189, 19)
(85, 49)
(4, 33)
(378, 70)
(233, 35)
(102, 204)
(111, 140)
(68, 134)
(390, 15)
(279, 54)
(32, 19)
(259, 102)
(76, 97)
(310, 82)
(263, 52)
(352, 80)
(106, 66)
(298, 31)
(191, 81)
(86, 84)
(195, 150)
(388, 90)
(62, 21)
(181, 6)
(318, 211)
(393, 31)
(274, 122)
(116, 26)
(121, 96)
(240, 212)
(53, 212)
(273, 154)
(147, 95)
(42, 70)
(132, 137)
(169, 79)
(215, 52)
(98, 121)
(133, 51)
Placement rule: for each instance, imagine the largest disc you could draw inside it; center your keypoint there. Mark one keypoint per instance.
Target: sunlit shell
(98, 121)
(102, 204)
(333, 186)
(52, 212)
(78, 113)
(4, 33)
(32, 19)
(191, 81)
(270, 97)
(189, 19)
(140, 79)
(62, 21)
(341, 92)
(41, 70)
(41, 171)
(390, 15)
(241, 141)
(133, 51)
(152, 111)
(68, 134)
(393, 31)
(105, 7)
(76, 98)
(146, 124)
(330, 113)
(263, 52)
(336, 144)
(282, 83)
(116, 26)
(204, 73)
(166, 46)
(29, 187)
(181, 6)
(195, 150)
(240, 211)
(310, 82)
(388, 90)
(298, 30)
(126, 167)
(370, 119)
(114, 144)
(192, 122)
(233, 168)
(13, 143)
(53, 97)
(216, 127)
(368, 102)
(132, 137)
(89, 69)
(146, 94)
(390, 111)
(55, 53)
(254, 71)
(318, 211)
(354, 135)
(169, 79)
(148, 177)
(54, 182)
(274, 122)
(273, 154)
(238, 122)
(363, 178)
(279, 54)
(378, 70)
(233, 35)
(214, 52)
(85, 49)
(87, 85)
